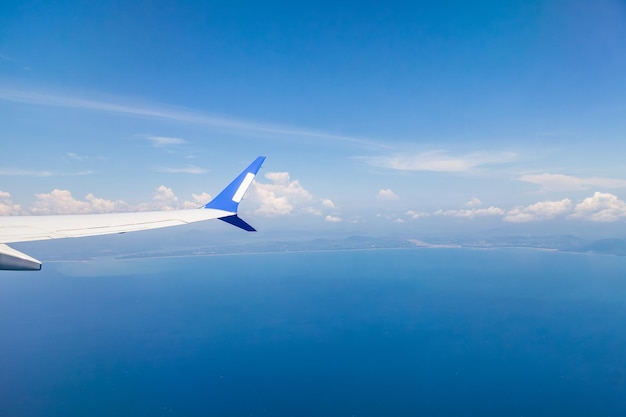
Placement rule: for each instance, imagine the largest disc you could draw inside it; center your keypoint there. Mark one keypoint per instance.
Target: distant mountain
(607, 246)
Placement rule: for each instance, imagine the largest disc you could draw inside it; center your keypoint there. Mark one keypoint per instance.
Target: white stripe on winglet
(243, 187)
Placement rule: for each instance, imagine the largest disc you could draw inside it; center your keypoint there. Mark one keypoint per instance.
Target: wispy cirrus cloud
(184, 170)
(440, 161)
(83, 158)
(11, 172)
(164, 141)
(75, 156)
(177, 115)
(560, 182)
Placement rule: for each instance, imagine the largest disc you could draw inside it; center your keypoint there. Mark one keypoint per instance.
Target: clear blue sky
(388, 115)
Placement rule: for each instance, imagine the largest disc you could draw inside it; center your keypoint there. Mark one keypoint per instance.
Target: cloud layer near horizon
(284, 196)
(600, 207)
(281, 196)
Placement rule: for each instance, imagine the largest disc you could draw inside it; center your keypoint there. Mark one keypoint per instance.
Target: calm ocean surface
(423, 332)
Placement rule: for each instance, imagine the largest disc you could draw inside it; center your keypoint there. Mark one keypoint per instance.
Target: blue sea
(421, 332)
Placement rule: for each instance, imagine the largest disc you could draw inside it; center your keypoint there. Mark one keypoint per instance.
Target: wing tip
(14, 260)
(228, 199)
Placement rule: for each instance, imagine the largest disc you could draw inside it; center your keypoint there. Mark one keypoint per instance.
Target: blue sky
(397, 116)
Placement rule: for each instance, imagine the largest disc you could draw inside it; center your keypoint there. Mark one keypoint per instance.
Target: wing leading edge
(31, 228)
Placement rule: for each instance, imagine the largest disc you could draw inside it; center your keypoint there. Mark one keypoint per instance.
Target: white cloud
(62, 202)
(328, 203)
(560, 182)
(7, 207)
(282, 197)
(100, 205)
(164, 141)
(471, 213)
(473, 203)
(197, 200)
(601, 207)
(543, 210)
(271, 204)
(163, 199)
(186, 170)
(440, 161)
(416, 214)
(333, 219)
(387, 194)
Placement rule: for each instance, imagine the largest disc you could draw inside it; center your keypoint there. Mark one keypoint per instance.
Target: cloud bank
(284, 196)
(600, 207)
(63, 202)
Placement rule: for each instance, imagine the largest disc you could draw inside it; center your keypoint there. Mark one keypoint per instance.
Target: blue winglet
(229, 198)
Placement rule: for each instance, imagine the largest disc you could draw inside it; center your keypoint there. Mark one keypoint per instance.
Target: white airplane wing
(29, 228)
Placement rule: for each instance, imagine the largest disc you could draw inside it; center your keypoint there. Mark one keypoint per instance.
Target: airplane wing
(29, 228)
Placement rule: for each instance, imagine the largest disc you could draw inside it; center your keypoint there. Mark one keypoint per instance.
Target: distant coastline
(565, 244)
